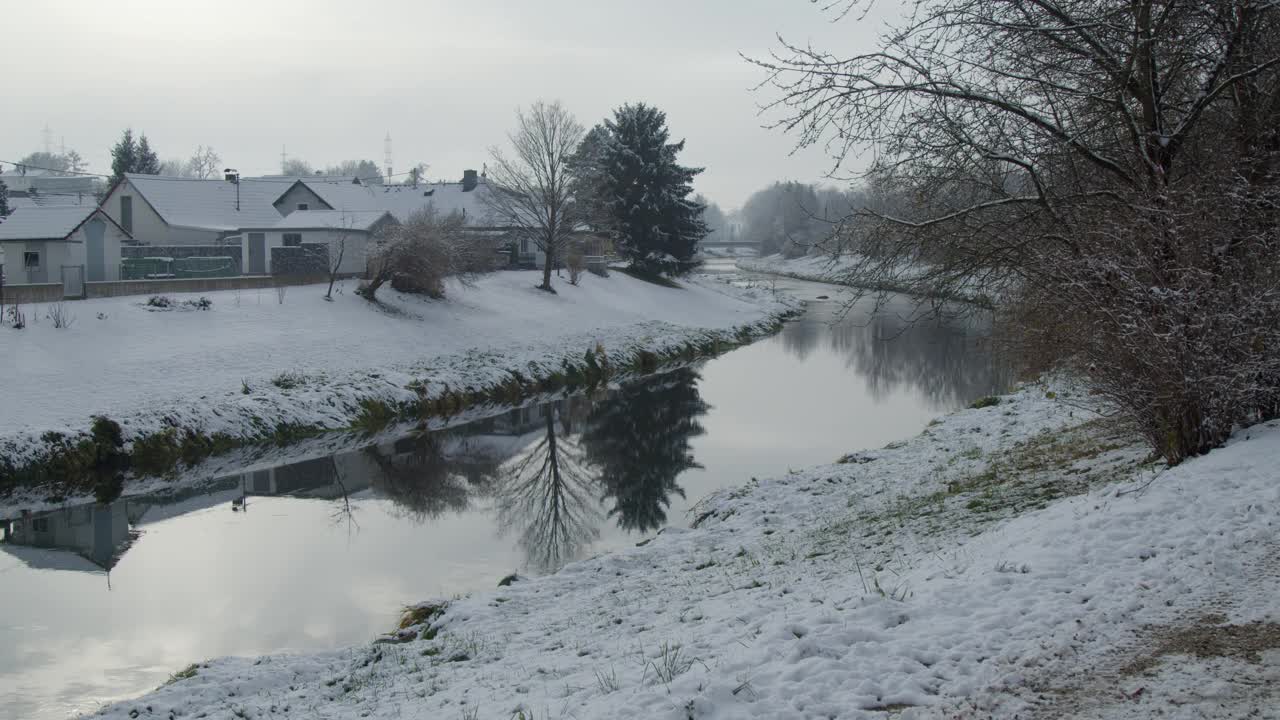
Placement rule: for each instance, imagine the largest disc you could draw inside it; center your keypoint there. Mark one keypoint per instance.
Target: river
(105, 602)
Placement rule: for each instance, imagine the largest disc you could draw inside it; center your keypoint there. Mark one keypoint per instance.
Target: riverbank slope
(835, 271)
(268, 366)
(1022, 558)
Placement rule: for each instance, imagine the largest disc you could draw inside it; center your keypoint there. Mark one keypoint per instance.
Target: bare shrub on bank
(420, 254)
(61, 318)
(576, 263)
(1106, 170)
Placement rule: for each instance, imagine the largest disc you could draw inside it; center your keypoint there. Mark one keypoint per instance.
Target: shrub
(157, 454)
(417, 256)
(160, 301)
(59, 315)
(374, 415)
(17, 319)
(985, 402)
(576, 262)
(203, 303)
(287, 380)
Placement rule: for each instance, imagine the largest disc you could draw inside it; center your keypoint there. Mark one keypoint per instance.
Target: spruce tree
(588, 169)
(656, 223)
(124, 156)
(148, 163)
(4, 199)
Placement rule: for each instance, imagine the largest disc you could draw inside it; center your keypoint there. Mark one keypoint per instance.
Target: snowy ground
(220, 370)
(1023, 559)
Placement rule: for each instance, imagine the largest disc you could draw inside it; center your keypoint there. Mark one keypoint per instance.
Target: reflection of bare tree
(801, 336)
(942, 358)
(546, 494)
(421, 478)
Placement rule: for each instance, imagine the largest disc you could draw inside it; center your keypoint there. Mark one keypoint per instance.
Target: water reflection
(937, 357)
(546, 494)
(553, 471)
(639, 443)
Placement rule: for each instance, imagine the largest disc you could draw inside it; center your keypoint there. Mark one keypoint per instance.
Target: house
(98, 533)
(38, 242)
(160, 210)
(271, 248)
(261, 215)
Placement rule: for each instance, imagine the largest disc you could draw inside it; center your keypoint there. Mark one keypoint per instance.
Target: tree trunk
(546, 272)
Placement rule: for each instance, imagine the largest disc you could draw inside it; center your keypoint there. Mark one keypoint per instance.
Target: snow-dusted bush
(418, 255)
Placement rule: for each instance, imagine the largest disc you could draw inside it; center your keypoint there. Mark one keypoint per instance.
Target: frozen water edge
(218, 371)
(995, 565)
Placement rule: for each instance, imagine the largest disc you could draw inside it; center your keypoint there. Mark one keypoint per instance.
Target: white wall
(354, 256)
(53, 255)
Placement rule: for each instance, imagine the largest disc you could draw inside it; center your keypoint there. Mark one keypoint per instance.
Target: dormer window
(304, 206)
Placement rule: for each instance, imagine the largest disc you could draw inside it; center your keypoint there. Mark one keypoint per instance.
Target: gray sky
(328, 80)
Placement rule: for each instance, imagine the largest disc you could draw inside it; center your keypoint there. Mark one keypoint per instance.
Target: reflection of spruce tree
(545, 492)
(638, 441)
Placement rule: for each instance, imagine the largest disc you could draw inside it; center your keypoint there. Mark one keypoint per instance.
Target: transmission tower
(386, 146)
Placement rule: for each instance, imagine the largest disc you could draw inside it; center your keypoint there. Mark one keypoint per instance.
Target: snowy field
(219, 370)
(1024, 559)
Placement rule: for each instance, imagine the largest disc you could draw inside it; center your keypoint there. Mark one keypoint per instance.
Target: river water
(105, 602)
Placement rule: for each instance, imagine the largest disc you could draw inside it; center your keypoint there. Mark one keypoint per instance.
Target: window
(304, 206)
(292, 239)
(126, 213)
(40, 524)
(31, 260)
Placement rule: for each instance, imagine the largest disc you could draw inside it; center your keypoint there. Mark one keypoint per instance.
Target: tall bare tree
(1110, 168)
(533, 184)
(204, 163)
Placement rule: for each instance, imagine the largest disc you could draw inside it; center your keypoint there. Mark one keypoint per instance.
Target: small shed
(311, 234)
(38, 242)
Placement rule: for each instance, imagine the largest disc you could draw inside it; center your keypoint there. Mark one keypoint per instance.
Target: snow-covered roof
(44, 223)
(333, 219)
(342, 194)
(210, 204)
(403, 200)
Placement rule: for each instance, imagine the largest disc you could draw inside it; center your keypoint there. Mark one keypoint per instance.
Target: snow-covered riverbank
(256, 361)
(835, 270)
(1022, 558)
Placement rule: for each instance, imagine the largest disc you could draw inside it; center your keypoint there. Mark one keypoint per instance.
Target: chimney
(469, 180)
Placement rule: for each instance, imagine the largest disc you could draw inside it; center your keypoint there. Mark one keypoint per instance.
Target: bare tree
(1107, 168)
(296, 167)
(204, 163)
(334, 254)
(532, 187)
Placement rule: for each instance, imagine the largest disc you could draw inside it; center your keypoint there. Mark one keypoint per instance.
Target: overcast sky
(329, 80)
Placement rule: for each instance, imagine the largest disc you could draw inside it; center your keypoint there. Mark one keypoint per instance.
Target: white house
(160, 210)
(38, 242)
(256, 214)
